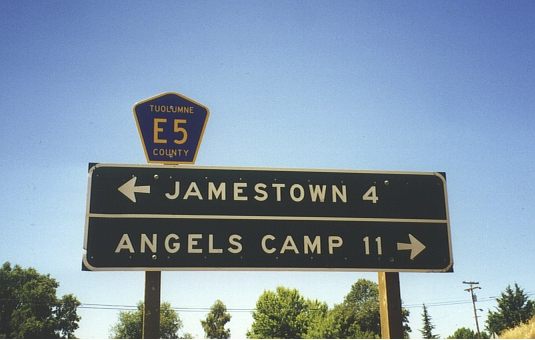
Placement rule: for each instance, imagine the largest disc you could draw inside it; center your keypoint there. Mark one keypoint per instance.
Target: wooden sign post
(151, 310)
(390, 306)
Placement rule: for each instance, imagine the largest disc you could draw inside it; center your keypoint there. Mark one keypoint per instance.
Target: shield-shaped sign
(171, 127)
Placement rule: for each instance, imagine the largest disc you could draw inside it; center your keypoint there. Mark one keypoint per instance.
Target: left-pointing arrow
(129, 189)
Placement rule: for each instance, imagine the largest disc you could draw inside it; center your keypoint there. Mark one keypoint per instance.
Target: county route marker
(143, 217)
(171, 127)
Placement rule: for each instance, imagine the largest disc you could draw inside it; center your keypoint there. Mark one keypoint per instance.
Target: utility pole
(474, 299)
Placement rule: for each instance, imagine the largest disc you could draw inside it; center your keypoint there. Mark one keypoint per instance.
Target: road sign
(171, 127)
(142, 217)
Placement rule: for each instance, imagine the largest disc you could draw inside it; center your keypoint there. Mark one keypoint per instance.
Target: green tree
(29, 307)
(314, 314)
(463, 333)
(514, 308)
(467, 333)
(324, 327)
(130, 324)
(356, 317)
(284, 314)
(214, 324)
(427, 330)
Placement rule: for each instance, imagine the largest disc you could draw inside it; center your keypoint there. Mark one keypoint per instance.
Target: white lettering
(177, 192)
(172, 248)
(214, 192)
(314, 247)
(193, 241)
(301, 193)
(125, 243)
(278, 187)
(234, 241)
(334, 242)
(260, 189)
(193, 190)
(262, 192)
(342, 194)
(317, 191)
(211, 248)
(146, 242)
(264, 247)
(238, 190)
(289, 244)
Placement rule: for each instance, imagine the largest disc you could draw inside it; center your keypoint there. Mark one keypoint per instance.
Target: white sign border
(95, 166)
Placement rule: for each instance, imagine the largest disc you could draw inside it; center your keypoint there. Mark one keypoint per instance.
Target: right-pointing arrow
(415, 246)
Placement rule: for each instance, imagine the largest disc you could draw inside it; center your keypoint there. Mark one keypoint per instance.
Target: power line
(178, 309)
(207, 309)
(120, 307)
(446, 303)
(455, 302)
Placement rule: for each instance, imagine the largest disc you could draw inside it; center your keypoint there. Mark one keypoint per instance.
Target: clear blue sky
(417, 85)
